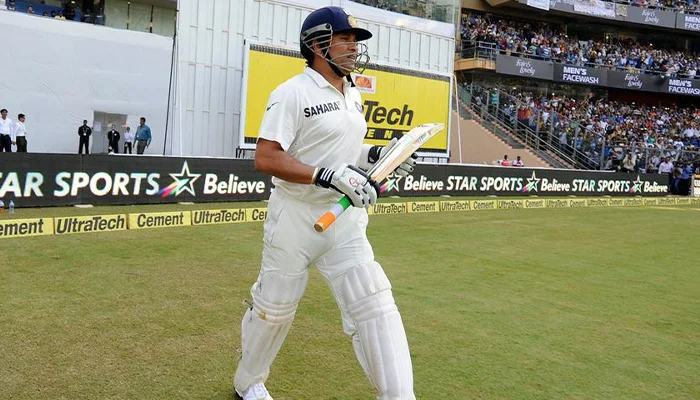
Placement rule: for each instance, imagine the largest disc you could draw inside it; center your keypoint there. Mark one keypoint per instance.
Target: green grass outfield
(573, 303)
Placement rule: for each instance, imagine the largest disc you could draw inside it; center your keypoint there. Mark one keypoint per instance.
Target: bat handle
(332, 214)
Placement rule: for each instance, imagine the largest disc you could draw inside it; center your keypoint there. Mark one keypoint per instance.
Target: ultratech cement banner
(61, 179)
(584, 75)
(689, 87)
(394, 100)
(527, 67)
(632, 81)
(459, 180)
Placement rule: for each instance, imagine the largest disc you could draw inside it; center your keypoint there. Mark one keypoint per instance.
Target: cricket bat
(404, 148)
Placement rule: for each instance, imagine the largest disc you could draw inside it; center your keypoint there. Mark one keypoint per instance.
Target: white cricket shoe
(256, 392)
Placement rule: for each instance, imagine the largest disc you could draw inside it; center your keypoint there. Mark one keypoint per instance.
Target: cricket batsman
(310, 141)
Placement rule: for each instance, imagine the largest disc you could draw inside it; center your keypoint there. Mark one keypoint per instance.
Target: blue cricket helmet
(320, 26)
(333, 19)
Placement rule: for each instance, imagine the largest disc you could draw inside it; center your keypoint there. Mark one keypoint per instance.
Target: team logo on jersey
(365, 83)
(321, 109)
(182, 182)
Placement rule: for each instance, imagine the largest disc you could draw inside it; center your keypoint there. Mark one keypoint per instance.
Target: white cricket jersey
(316, 125)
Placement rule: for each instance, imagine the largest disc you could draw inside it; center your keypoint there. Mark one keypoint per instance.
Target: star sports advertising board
(395, 100)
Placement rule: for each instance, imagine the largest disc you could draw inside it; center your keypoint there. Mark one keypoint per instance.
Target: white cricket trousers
(345, 259)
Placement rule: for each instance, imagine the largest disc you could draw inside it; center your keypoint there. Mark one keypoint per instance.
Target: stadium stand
(547, 42)
(584, 126)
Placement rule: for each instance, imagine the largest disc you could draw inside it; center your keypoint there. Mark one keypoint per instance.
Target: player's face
(343, 51)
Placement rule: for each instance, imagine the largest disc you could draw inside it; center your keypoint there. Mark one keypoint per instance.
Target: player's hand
(350, 181)
(405, 167)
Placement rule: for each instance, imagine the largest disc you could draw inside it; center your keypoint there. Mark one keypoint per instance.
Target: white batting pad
(383, 348)
(265, 326)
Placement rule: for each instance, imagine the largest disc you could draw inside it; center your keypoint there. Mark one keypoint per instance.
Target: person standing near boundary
(6, 127)
(84, 132)
(310, 141)
(19, 134)
(143, 136)
(128, 140)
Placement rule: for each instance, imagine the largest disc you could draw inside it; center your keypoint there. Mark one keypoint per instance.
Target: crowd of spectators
(67, 11)
(550, 42)
(632, 137)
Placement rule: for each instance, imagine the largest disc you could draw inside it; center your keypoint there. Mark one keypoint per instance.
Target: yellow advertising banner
(26, 227)
(394, 100)
(90, 223)
(212, 217)
(256, 214)
(423, 206)
(160, 220)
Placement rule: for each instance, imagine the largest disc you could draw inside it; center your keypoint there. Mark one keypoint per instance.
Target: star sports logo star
(182, 182)
(532, 183)
(391, 183)
(636, 186)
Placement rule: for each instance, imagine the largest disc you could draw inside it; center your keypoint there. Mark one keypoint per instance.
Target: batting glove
(350, 181)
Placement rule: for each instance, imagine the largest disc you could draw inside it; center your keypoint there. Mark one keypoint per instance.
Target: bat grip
(332, 214)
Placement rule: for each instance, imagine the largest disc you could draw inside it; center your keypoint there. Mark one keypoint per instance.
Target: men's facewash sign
(689, 22)
(57, 179)
(526, 67)
(583, 75)
(681, 86)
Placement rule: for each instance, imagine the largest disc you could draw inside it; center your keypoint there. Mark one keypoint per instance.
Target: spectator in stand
(84, 132)
(30, 10)
(128, 140)
(143, 136)
(629, 162)
(69, 11)
(666, 167)
(19, 134)
(6, 127)
(504, 162)
(518, 162)
(11, 6)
